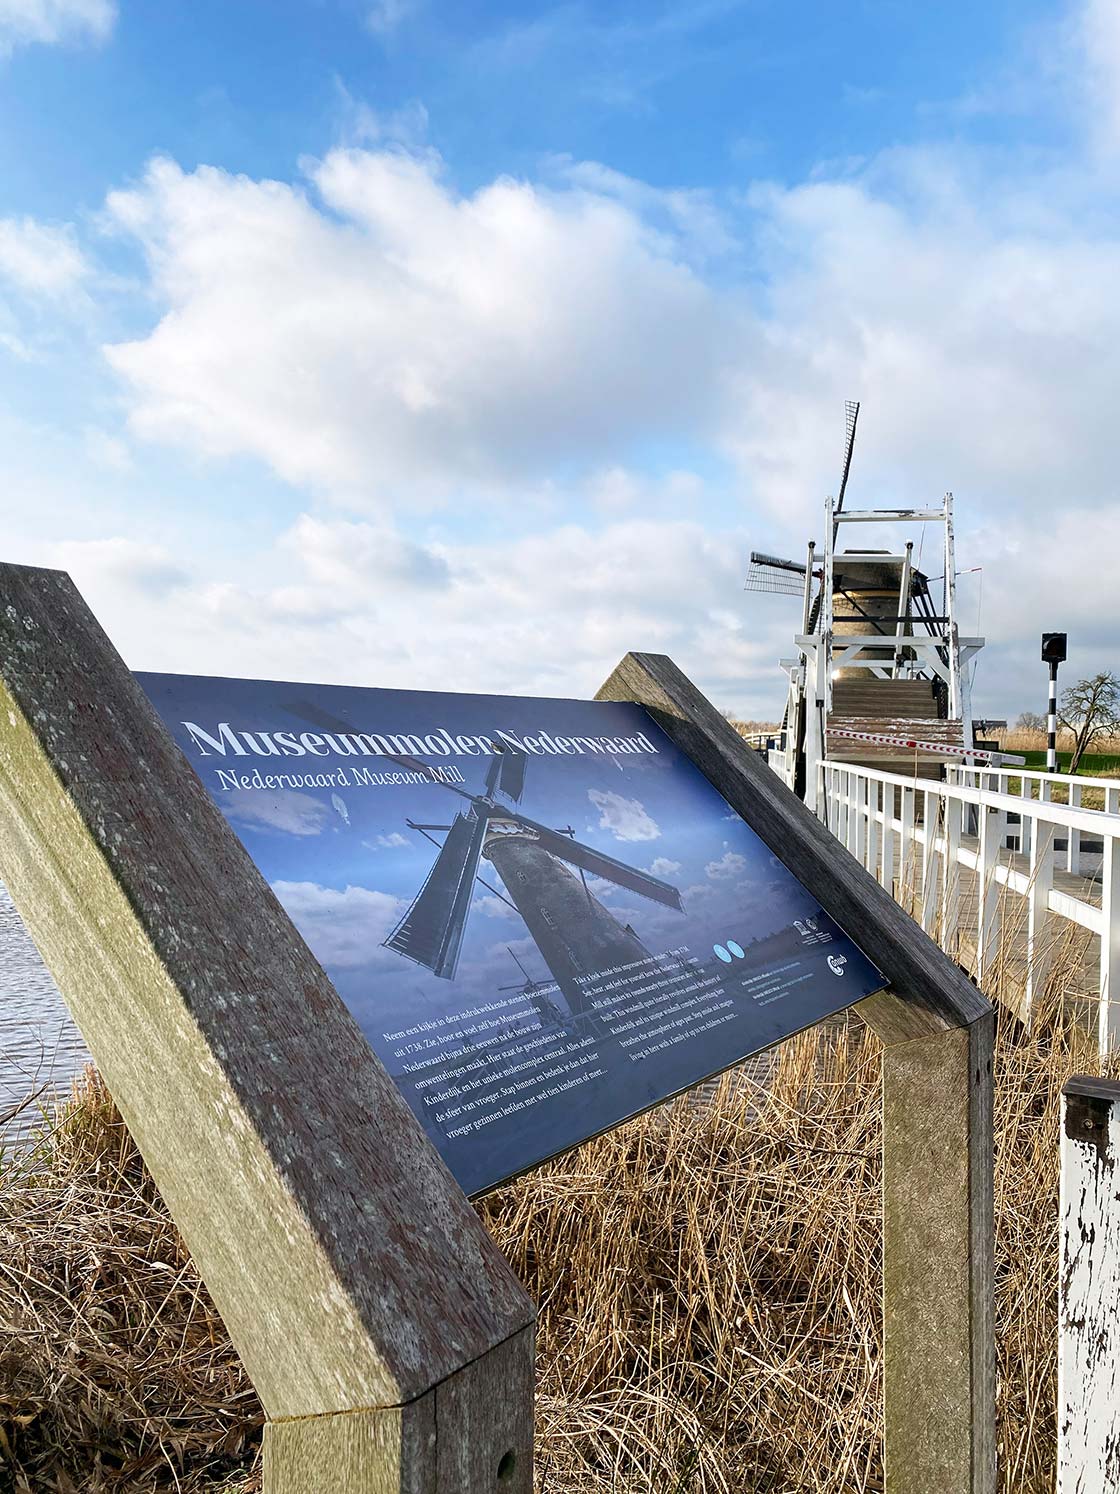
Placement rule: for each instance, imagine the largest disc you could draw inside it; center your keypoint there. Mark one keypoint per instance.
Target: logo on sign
(836, 963)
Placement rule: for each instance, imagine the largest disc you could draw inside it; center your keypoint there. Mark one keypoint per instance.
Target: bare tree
(1030, 721)
(1090, 710)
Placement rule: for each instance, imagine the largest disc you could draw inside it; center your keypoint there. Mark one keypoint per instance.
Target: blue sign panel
(542, 915)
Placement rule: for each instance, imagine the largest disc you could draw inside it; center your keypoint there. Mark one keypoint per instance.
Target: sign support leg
(939, 1333)
(938, 1031)
(473, 1432)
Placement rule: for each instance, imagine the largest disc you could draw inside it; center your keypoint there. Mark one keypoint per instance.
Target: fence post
(1109, 1012)
(1040, 942)
(1089, 1288)
(886, 862)
(1073, 847)
(987, 892)
(930, 816)
(937, 1031)
(907, 858)
(863, 809)
(871, 856)
(1024, 820)
(387, 1337)
(951, 878)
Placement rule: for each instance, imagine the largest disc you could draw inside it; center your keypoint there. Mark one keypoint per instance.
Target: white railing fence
(916, 835)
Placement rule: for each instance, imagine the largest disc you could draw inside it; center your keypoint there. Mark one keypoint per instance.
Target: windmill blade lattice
(431, 931)
(769, 573)
(851, 419)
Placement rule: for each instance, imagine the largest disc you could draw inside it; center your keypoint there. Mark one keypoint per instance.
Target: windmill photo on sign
(421, 842)
(536, 868)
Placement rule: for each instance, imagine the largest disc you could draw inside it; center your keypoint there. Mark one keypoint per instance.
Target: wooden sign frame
(390, 1344)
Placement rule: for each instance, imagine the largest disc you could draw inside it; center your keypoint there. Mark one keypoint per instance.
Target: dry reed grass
(116, 1372)
(709, 1281)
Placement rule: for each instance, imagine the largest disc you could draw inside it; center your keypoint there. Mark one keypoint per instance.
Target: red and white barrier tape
(945, 749)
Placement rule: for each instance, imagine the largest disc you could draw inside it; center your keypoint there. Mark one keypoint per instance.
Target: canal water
(40, 1048)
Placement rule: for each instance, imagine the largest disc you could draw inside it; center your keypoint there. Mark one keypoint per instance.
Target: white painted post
(1001, 822)
(830, 795)
(907, 860)
(886, 860)
(824, 626)
(1109, 1027)
(1024, 820)
(1040, 944)
(1089, 1289)
(930, 805)
(814, 747)
(859, 817)
(956, 704)
(951, 878)
(871, 858)
(987, 891)
(1073, 849)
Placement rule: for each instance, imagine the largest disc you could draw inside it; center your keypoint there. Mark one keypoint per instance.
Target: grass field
(709, 1281)
(1092, 765)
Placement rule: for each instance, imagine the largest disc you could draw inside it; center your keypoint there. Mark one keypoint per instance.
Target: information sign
(542, 915)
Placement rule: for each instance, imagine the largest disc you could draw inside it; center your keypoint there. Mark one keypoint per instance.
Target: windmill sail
(599, 864)
(772, 574)
(851, 419)
(511, 778)
(431, 932)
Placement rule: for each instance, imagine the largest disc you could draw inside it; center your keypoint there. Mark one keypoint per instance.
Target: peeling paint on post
(1089, 1289)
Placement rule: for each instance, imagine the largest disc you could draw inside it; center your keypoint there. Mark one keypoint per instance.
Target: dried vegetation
(709, 1279)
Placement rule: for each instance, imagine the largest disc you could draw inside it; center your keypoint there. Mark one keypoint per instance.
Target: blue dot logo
(722, 953)
(736, 949)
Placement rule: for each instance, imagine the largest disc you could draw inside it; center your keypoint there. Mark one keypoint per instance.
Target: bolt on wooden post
(387, 1337)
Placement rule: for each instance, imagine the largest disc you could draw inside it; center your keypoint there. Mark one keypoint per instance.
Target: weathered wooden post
(1089, 1289)
(938, 1032)
(388, 1339)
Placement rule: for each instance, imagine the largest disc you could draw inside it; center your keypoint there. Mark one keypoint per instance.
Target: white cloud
(41, 259)
(344, 930)
(107, 451)
(394, 841)
(284, 810)
(350, 557)
(382, 335)
(495, 625)
(661, 866)
(52, 21)
(729, 865)
(120, 564)
(378, 337)
(626, 819)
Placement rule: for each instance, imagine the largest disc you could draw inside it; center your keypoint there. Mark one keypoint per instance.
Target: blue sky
(406, 344)
(668, 93)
